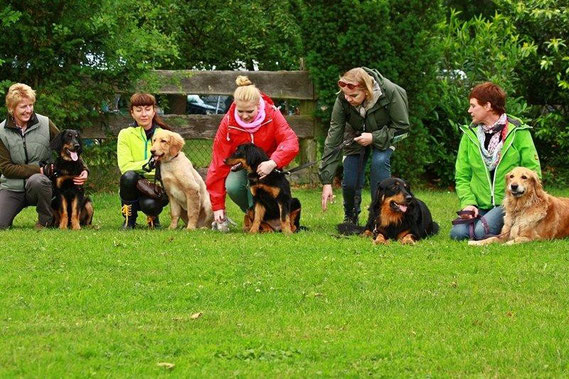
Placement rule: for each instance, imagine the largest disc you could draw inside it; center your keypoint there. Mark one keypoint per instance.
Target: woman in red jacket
(252, 118)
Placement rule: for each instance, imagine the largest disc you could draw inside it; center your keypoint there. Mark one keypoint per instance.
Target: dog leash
(470, 223)
(308, 164)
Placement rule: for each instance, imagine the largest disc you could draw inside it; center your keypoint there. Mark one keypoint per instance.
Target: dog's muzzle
(398, 207)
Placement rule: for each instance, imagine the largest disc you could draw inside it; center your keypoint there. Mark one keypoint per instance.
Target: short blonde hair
(360, 77)
(18, 92)
(246, 90)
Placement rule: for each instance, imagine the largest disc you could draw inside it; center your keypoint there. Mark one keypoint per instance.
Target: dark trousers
(131, 195)
(38, 191)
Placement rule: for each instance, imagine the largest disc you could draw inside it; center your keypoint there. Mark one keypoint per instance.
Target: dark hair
(144, 99)
(489, 92)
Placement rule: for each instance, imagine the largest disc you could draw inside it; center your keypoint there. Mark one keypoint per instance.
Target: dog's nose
(514, 186)
(152, 151)
(408, 198)
(76, 146)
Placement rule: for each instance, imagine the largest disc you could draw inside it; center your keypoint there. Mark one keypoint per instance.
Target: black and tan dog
(69, 204)
(396, 214)
(273, 208)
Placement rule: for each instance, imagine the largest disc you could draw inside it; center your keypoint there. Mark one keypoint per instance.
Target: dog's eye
(524, 177)
(511, 176)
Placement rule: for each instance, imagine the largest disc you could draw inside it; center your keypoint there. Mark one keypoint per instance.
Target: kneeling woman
(252, 118)
(133, 152)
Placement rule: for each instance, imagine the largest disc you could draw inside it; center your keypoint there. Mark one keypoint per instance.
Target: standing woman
(252, 118)
(373, 112)
(24, 145)
(133, 151)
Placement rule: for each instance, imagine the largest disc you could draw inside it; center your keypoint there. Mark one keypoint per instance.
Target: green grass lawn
(104, 302)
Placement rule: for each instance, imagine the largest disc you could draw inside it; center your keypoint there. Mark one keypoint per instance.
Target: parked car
(197, 106)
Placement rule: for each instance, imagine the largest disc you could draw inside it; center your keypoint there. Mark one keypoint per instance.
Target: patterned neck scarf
(492, 154)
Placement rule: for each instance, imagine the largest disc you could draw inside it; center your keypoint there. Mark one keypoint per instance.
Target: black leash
(308, 164)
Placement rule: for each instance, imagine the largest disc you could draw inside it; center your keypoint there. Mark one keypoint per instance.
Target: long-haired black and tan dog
(273, 205)
(395, 214)
(70, 205)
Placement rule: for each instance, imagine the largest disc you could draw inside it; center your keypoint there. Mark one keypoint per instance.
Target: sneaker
(350, 220)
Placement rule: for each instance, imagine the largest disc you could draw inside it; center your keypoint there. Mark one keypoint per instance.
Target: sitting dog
(530, 213)
(274, 208)
(395, 214)
(69, 204)
(185, 188)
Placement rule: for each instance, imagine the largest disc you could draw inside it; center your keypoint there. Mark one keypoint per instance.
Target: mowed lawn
(103, 302)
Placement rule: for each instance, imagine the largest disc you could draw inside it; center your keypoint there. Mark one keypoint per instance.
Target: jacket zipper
(245, 131)
(492, 181)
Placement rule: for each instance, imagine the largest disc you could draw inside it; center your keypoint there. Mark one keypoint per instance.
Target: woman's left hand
(81, 179)
(364, 139)
(265, 168)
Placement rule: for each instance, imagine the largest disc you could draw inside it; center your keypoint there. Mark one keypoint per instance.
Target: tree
(76, 54)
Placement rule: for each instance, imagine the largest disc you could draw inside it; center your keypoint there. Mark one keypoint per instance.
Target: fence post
(308, 146)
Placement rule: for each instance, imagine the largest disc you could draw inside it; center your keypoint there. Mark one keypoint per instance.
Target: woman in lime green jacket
(490, 147)
(133, 151)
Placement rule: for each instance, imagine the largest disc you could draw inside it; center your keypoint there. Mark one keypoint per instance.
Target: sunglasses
(343, 84)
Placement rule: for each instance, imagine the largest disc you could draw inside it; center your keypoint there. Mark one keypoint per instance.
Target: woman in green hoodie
(491, 147)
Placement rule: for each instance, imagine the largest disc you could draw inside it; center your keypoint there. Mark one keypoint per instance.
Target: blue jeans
(494, 219)
(380, 169)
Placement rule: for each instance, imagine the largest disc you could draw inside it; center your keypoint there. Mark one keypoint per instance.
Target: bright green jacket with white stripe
(474, 184)
(133, 150)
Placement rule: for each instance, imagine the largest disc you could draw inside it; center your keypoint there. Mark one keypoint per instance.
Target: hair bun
(242, 80)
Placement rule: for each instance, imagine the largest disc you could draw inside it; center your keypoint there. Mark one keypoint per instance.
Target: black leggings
(130, 194)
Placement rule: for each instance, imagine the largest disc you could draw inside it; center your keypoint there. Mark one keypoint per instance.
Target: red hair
(489, 92)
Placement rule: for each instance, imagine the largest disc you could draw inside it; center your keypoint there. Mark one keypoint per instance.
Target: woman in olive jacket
(372, 111)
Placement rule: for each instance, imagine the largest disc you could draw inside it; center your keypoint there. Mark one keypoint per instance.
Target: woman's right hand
(327, 196)
(470, 208)
(219, 216)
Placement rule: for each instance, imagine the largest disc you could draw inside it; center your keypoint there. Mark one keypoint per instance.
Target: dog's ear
(176, 143)
(253, 155)
(536, 183)
(57, 142)
(80, 142)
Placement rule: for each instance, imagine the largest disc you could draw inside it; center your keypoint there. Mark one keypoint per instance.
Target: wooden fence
(287, 85)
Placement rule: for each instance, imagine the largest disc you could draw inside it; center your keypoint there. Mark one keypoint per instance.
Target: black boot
(153, 222)
(349, 219)
(129, 210)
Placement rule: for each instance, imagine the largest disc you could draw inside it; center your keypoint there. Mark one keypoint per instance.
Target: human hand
(364, 139)
(81, 179)
(219, 216)
(470, 208)
(265, 168)
(48, 170)
(327, 196)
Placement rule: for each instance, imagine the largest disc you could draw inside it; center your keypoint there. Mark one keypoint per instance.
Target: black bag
(152, 190)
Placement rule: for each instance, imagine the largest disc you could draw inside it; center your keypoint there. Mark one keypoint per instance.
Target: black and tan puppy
(396, 214)
(69, 204)
(273, 206)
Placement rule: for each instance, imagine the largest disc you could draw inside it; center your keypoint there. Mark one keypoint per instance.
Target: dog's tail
(435, 229)
(348, 229)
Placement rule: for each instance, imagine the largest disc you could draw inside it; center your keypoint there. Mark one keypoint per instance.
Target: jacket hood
(269, 107)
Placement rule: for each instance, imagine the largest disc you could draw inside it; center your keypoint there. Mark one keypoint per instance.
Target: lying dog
(69, 204)
(185, 188)
(274, 208)
(530, 213)
(395, 214)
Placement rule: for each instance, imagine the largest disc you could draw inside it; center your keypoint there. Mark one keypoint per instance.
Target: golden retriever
(185, 188)
(530, 213)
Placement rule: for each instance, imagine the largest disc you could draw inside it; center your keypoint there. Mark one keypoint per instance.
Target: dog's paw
(380, 240)
(476, 243)
(408, 240)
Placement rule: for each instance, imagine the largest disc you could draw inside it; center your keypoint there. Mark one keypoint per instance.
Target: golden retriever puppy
(530, 213)
(185, 188)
